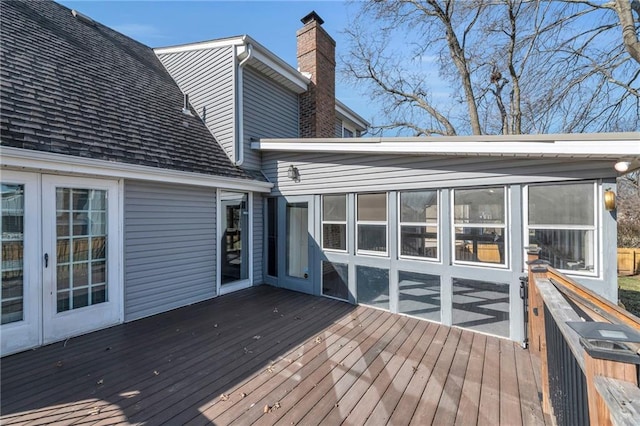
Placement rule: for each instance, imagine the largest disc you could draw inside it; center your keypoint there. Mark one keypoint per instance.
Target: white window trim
(505, 226)
(351, 129)
(371, 222)
(596, 227)
(335, 222)
(435, 224)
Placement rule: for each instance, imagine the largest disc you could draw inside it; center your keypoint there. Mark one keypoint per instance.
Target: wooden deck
(269, 356)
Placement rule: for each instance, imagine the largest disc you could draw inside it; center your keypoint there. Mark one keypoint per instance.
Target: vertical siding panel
(169, 247)
(207, 77)
(258, 238)
(270, 111)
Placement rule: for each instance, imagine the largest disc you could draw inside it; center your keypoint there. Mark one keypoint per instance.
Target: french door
(60, 258)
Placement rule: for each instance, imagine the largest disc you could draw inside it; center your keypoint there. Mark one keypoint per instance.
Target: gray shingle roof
(82, 89)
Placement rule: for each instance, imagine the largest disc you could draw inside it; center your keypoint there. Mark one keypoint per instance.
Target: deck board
(309, 360)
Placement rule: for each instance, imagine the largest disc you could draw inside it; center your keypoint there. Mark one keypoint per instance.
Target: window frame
(335, 222)
(348, 129)
(596, 228)
(371, 222)
(425, 224)
(504, 226)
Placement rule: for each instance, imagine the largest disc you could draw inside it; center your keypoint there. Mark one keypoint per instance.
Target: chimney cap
(313, 16)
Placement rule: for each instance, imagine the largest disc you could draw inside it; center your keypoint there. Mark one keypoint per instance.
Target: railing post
(535, 306)
(598, 410)
(537, 336)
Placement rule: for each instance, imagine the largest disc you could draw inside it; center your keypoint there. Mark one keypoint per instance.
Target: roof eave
(50, 162)
(597, 146)
(351, 115)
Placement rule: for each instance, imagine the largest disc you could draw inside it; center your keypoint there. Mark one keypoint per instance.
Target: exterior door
(296, 244)
(21, 310)
(80, 255)
(60, 258)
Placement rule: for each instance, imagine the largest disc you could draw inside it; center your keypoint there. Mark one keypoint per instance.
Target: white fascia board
(625, 146)
(269, 59)
(201, 45)
(349, 114)
(46, 162)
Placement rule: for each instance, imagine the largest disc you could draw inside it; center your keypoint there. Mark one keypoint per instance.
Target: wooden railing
(578, 388)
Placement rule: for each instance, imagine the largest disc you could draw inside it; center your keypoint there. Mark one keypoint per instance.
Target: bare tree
(499, 66)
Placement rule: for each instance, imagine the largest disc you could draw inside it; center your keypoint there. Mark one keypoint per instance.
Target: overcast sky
(272, 23)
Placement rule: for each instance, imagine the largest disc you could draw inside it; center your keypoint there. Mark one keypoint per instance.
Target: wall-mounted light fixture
(622, 166)
(609, 200)
(293, 173)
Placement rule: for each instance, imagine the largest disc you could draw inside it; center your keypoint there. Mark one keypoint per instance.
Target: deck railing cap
(533, 249)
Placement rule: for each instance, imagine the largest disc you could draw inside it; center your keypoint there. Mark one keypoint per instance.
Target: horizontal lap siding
(207, 77)
(270, 111)
(169, 247)
(326, 173)
(258, 238)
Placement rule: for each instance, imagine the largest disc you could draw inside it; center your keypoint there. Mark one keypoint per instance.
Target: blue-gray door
(296, 244)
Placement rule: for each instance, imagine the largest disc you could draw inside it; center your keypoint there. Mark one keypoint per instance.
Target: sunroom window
(371, 218)
(562, 222)
(419, 224)
(334, 222)
(479, 220)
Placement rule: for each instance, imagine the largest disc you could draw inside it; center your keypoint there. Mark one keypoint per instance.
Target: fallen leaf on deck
(243, 395)
(276, 405)
(94, 411)
(156, 372)
(257, 337)
(59, 364)
(266, 409)
(215, 325)
(318, 339)
(275, 310)
(224, 397)
(99, 382)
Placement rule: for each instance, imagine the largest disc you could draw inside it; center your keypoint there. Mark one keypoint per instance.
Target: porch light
(622, 166)
(609, 200)
(293, 173)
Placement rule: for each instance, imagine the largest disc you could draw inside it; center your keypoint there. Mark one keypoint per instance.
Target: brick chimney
(316, 56)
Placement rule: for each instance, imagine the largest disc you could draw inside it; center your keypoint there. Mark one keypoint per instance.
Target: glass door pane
(81, 248)
(297, 259)
(12, 223)
(234, 239)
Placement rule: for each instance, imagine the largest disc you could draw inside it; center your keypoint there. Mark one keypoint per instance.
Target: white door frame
(241, 284)
(21, 335)
(58, 326)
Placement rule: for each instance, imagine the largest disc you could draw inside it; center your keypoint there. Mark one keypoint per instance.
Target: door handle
(46, 260)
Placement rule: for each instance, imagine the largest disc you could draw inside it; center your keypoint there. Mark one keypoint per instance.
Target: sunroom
(437, 228)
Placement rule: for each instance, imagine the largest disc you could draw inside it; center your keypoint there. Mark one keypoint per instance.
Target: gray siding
(258, 238)
(270, 111)
(326, 173)
(207, 76)
(338, 128)
(169, 247)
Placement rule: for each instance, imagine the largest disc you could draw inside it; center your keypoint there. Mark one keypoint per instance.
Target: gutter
(48, 162)
(239, 158)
